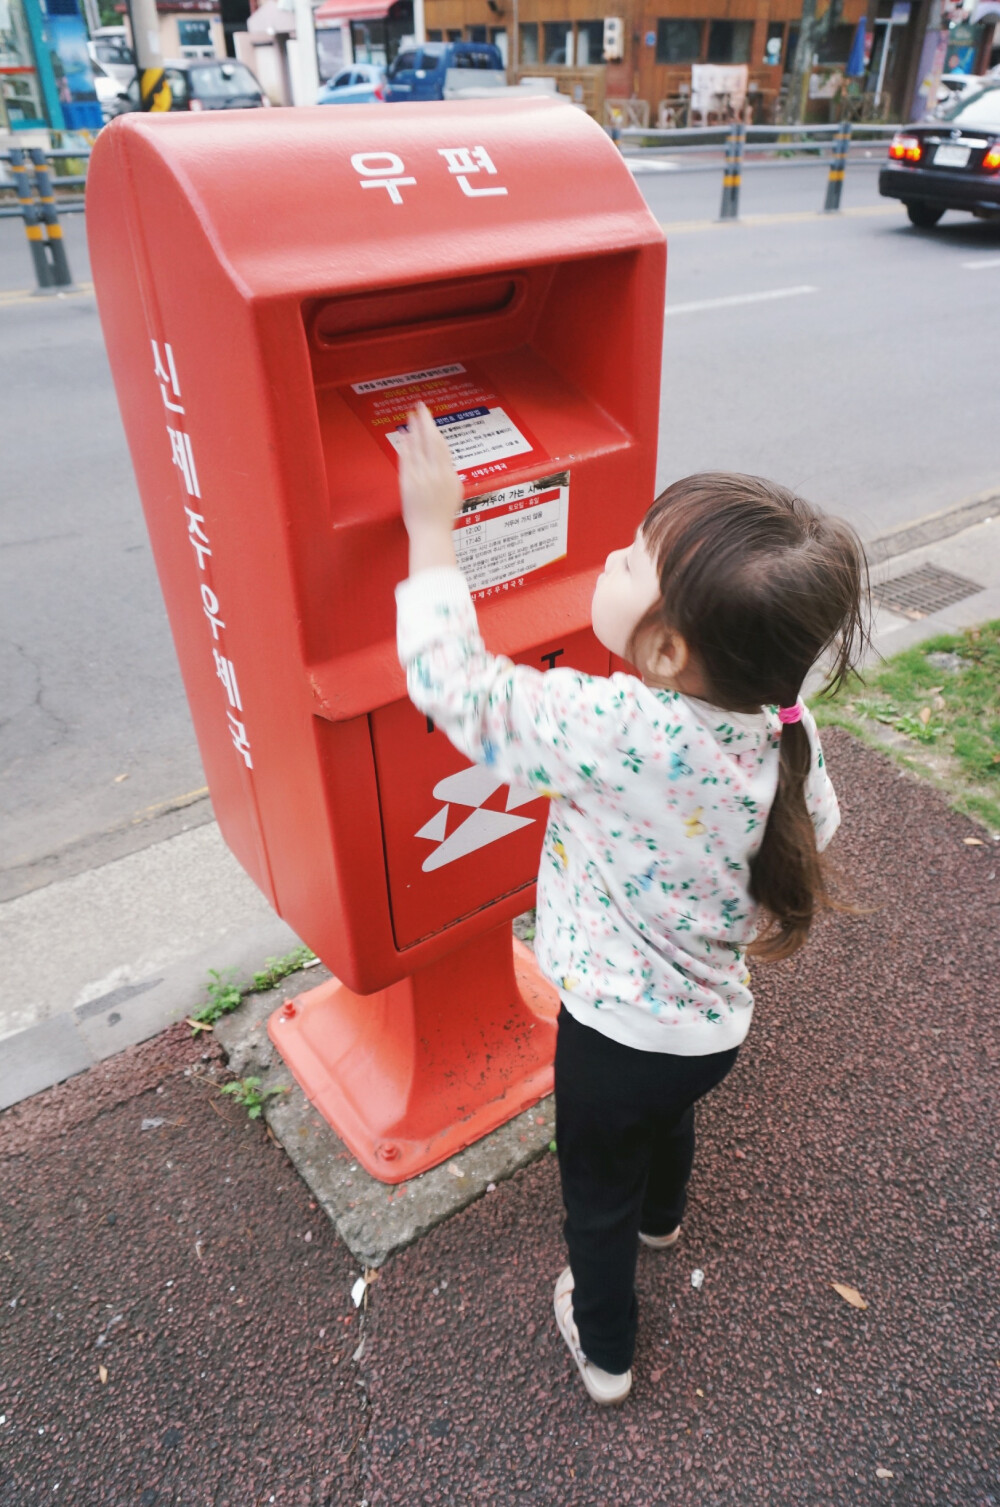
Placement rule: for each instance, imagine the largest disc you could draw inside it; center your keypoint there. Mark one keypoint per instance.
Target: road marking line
(651, 165)
(786, 217)
(737, 298)
(993, 261)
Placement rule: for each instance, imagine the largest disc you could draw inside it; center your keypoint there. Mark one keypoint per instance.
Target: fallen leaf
(358, 1291)
(849, 1295)
(934, 690)
(455, 1169)
(924, 714)
(883, 1474)
(939, 704)
(196, 1025)
(358, 1352)
(973, 842)
(102, 1372)
(119, 778)
(698, 1392)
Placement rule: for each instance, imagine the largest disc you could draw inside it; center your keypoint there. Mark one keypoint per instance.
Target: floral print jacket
(658, 804)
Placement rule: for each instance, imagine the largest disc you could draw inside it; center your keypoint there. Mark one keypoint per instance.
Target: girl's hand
(430, 491)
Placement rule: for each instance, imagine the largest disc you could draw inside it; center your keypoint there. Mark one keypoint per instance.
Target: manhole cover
(923, 591)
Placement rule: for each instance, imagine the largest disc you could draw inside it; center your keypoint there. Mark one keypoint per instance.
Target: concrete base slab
(373, 1219)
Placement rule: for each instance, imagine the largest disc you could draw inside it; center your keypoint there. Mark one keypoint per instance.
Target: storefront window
(775, 38)
(195, 38)
(678, 41)
(729, 41)
(529, 42)
(19, 86)
(498, 36)
(589, 43)
(558, 48)
(477, 33)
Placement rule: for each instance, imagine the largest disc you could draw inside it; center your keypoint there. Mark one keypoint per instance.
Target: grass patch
(937, 707)
(225, 992)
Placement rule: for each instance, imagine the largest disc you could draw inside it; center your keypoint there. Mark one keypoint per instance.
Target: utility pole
(144, 24)
(306, 77)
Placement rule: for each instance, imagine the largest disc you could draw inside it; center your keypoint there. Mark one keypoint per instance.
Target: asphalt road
(811, 348)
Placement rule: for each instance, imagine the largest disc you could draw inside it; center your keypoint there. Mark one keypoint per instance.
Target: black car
(953, 163)
(202, 84)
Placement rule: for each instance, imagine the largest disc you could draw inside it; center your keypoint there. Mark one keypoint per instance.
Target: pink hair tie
(790, 713)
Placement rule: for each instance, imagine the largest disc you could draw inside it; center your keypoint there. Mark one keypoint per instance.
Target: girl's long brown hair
(760, 585)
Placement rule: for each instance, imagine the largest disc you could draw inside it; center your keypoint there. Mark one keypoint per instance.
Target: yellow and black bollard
(838, 164)
(154, 90)
(732, 172)
(61, 276)
(32, 220)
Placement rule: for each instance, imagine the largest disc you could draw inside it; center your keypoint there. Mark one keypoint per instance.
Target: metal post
(144, 25)
(732, 172)
(29, 213)
(62, 277)
(835, 182)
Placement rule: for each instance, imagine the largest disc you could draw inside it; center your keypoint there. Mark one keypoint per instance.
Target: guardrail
(39, 208)
(763, 146)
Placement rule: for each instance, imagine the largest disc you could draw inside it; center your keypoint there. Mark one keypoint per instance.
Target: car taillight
(905, 149)
(379, 91)
(196, 104)
(991, 162)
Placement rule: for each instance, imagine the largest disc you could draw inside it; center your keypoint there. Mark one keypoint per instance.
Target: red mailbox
(277, 288)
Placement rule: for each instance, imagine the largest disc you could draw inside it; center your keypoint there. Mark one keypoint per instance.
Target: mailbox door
(456, 838)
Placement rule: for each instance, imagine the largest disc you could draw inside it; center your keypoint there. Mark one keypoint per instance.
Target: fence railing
(743, 147)
(761, 146)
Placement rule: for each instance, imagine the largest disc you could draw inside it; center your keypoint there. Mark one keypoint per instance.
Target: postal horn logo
(471, 787)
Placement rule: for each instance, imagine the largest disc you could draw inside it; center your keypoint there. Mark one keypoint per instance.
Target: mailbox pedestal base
(414, 1073)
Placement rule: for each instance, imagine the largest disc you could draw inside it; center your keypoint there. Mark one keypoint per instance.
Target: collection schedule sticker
(503, 536)
(484, 434)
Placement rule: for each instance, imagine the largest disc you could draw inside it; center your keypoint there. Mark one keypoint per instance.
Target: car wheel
(924, 216)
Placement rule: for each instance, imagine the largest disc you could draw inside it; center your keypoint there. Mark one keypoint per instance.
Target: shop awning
(332, 11)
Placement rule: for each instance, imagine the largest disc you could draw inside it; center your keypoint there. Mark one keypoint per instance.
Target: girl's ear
(671, 657)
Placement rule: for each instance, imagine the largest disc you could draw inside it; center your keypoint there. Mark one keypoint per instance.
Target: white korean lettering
(183, 457)
(226, 671)
(464, 162)
(240, 740)
(382, 170)
(167, 378)
(210, 603)
(197, 537)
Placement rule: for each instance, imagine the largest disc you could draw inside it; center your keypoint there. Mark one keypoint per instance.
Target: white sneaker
(661, 1242)
(604, 1386)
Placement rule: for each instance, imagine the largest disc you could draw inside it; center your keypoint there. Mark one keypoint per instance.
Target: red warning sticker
(485, 436)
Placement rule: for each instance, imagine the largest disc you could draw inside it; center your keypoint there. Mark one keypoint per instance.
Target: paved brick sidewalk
(855, 1143)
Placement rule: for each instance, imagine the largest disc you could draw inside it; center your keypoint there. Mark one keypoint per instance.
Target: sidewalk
(148, 1228)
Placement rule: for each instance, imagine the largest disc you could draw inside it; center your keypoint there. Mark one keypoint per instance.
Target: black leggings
(625, 1140)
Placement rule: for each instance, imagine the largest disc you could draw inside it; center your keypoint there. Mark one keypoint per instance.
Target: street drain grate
(923, 591)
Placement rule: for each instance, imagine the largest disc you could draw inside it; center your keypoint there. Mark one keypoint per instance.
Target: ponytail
(760, 585)
(786, 875)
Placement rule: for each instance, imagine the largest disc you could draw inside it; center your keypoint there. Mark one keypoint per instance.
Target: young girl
(688, 811)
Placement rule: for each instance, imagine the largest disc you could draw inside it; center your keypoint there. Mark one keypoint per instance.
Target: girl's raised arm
(550, 732)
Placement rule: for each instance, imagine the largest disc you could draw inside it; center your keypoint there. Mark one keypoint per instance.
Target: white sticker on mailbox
(505, 535)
